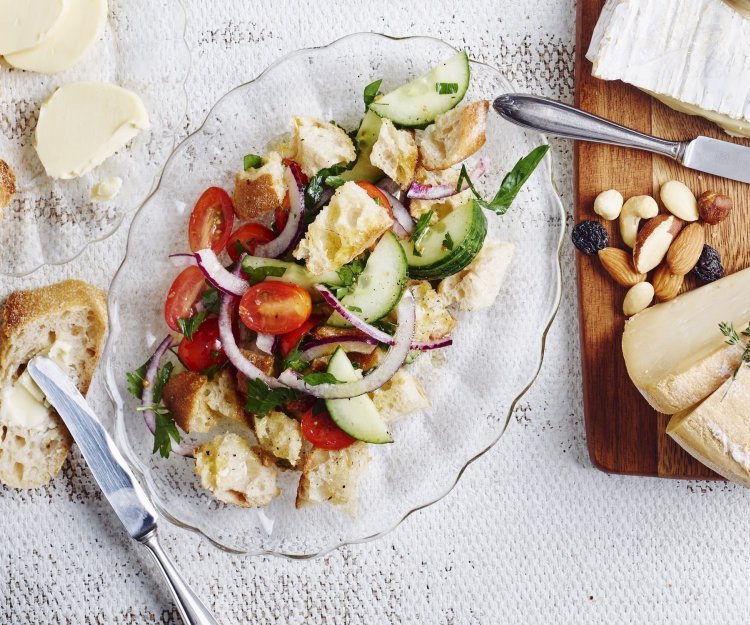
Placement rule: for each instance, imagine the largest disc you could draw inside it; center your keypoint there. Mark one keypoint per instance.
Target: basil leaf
(189, 325)
(251, 161)
(420, 230)
(335, 182)
(258, 274)
(446, 88)
(211, 300)
(371, 91)
(313, 379)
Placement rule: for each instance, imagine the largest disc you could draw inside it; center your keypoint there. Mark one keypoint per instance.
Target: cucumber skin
(461, 256)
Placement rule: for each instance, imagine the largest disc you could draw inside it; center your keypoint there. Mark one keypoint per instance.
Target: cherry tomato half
(290, 339)
(211, 221)
(274, 307)
(186, 288)
(322, 432)
(201, 351)
(249, 236)
(375, 193)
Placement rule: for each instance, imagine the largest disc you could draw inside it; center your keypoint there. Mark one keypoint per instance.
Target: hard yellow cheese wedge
(84, 123)
(717, 431)
(675, 354)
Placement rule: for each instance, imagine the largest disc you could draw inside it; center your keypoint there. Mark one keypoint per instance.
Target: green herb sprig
(420, 231)
(371, 92)
(189, 325)
(737, 338)
(261, 399)
(251, 161)
(258, 274)
(446, 88)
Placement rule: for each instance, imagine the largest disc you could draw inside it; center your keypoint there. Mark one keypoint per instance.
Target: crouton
(399, 396)
(454, 136)
(395, 153)
(434, 321)
(260, 190)
(319, 145)
(280, 436)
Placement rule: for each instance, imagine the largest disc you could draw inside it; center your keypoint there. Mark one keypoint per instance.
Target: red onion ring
(229, 345)
(403, 225)
(311, 350)
(147, 397)
(390, 364)
(217, 274)
(295, 224)
(421, 191)
(265, 342)
(376, 333)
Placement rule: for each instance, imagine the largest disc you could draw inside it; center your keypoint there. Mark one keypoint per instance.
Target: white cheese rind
(694, 52)
(80, 27)
(26, 23)
(717, 431)
(674, 352)
(82, 124)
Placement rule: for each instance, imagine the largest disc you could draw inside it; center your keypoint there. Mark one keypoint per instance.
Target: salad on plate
(339, 259)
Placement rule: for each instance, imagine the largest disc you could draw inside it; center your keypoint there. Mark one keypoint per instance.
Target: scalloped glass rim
(555, 226)
(92, 223)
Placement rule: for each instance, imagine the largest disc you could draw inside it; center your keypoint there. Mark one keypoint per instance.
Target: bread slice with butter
(675, 353)
(717, 431)
(67, 322)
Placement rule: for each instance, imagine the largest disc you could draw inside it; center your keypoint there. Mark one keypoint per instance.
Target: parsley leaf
(348, 274)
(135, 381)
(315, 187)
(420, 230)
(211, 300)
(512, 183)
(293, 360)
(211, 371)
(445, 88)
(162, 377)
(371, 91)
(165, 432)
(258, 274)
(448, 241)
(251, 161)
(189, 325)
(313, 379)
(261, 399)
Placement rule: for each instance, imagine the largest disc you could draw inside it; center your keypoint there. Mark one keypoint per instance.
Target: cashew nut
(638, 298)
(636, 208)
(608, 204)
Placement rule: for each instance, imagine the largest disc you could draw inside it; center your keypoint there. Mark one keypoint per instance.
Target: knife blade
(122, 490)
(712, 156)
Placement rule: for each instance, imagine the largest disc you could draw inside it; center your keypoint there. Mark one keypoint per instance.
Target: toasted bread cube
(333, 476)
(395, 153)
(443, 207)
(198, 403)
(434, 320)
(401, 395)
(280, 436)
(478, 285)
(234, 472)
(351, 223)
(260, 190)
(454, 136)
(319, 145)
(264, 362)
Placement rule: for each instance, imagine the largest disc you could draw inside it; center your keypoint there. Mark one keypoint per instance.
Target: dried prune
(709, 266)
(590, 237)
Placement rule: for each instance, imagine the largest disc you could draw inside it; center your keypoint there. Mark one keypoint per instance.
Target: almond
(619, 264)
(666, 284)
(684, 253)
(653, 241)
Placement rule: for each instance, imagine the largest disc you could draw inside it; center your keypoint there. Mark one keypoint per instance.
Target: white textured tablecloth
(532, 534)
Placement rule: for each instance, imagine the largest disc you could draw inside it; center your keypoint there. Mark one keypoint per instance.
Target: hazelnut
(714, 207)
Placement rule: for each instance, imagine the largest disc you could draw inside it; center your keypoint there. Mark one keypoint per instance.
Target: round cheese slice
(26, 23)
(80, 27)
(84, 123)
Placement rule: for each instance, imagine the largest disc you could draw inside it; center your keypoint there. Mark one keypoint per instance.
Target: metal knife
(712, 156)
(117, 482)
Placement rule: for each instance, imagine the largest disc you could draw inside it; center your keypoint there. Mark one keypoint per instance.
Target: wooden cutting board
(624, 434)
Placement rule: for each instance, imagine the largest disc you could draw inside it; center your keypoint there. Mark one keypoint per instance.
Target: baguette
(66, 321)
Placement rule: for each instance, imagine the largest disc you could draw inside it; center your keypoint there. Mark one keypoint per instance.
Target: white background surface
(532, 534)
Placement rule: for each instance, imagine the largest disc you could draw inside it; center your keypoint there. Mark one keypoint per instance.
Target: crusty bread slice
(71, 313)
(455, 136)
(198, 404)
(7, 185)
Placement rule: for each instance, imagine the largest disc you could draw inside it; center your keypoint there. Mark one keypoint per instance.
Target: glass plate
(52, 221)
(473, 385)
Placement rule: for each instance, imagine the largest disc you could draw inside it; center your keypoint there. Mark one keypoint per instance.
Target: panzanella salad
(338, 259)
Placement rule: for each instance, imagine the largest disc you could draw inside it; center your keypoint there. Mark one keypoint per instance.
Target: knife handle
(556, 118)
(191, 608)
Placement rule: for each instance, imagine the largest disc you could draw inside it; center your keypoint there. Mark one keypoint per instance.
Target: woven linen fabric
(532, 534)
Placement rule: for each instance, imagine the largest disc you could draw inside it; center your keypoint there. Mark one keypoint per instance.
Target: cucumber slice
(357, 416)
(380, 286)
(417, 103)
(366, 137)
(467, 226)
(293, 272)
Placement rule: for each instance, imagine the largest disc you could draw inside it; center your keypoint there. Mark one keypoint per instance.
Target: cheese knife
(116, 480)
(705, 154)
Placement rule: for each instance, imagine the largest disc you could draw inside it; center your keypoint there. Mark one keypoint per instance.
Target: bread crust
(254, 198)
(24, 314)
(180, 396)
(7, 185)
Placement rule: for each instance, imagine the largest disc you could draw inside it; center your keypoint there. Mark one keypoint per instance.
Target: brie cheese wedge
(693, 55)
(675, 353)
(84, 123)
(26, 23)
(717, 431)
(80, 27)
